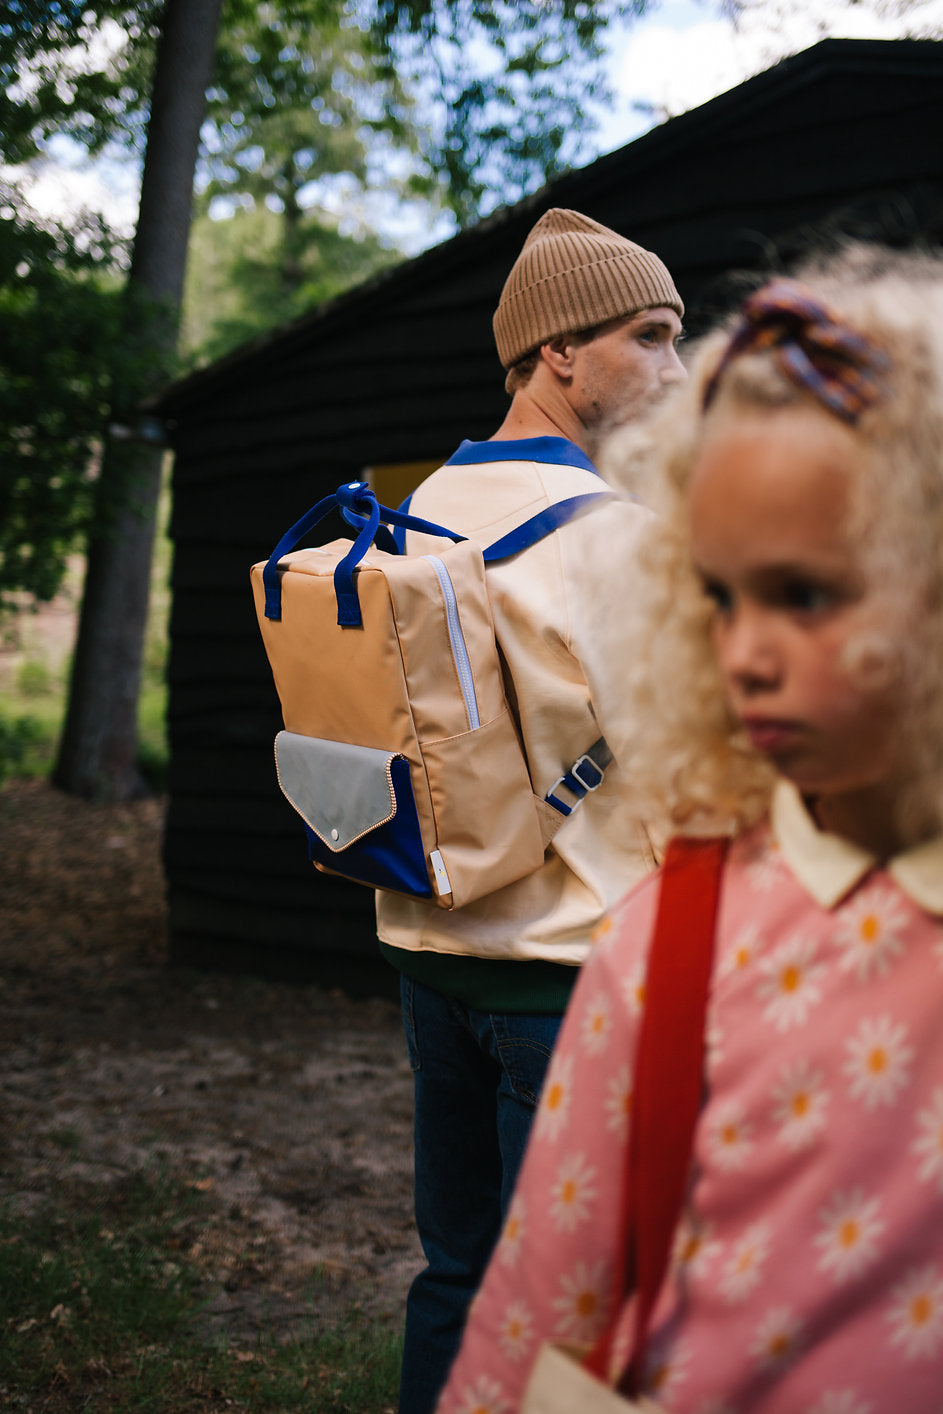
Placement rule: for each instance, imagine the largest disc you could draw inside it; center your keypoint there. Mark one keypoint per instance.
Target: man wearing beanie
(586, 329)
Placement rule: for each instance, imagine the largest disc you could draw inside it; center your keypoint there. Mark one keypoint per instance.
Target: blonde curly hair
(692, 767)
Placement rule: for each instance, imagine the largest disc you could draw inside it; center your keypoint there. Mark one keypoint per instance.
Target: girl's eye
(805, 596)
(719, 595)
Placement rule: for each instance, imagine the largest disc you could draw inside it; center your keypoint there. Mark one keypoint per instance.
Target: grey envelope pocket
(341, 792)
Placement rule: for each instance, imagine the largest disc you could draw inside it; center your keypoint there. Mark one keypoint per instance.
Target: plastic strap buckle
(596, 775)
(583, 777)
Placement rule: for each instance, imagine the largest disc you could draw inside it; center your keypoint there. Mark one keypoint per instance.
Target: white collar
(829, 866)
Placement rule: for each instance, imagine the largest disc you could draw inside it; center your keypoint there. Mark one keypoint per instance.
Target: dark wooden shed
(847, 136)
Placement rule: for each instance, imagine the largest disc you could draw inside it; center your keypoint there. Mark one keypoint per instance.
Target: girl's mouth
(770, 735)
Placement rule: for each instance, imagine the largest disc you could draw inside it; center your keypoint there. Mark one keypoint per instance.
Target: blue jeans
(477, 1080)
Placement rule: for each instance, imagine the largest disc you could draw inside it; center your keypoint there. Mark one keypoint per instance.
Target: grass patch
(30, 726)
(99, 1309)
(34, 695)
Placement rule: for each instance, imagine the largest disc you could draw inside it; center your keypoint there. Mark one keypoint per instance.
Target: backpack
(400, 751)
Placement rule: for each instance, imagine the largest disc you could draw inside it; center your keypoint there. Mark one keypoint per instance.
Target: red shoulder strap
(668, 1083)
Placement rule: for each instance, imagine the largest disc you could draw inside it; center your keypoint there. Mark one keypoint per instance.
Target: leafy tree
(53, 80)
(60, 319)
(238, 285)
(510, 86)
(300, 97)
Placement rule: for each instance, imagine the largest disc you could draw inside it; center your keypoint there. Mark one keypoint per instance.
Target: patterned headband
(812, 347)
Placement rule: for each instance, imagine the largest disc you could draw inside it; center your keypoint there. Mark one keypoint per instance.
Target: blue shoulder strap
(542, 524)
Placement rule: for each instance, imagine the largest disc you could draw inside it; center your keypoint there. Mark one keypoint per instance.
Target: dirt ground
(291, 1106)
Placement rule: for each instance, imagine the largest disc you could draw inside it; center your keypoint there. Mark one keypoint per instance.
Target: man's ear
(558, 356)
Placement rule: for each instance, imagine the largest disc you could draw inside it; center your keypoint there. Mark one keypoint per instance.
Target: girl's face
(769, 504)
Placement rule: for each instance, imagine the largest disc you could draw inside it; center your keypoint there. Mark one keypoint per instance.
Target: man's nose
(673, 370)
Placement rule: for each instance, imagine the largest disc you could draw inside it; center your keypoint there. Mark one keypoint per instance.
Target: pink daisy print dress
(807, 1274)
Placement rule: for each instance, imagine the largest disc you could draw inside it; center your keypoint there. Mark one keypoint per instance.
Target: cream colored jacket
(562, 648)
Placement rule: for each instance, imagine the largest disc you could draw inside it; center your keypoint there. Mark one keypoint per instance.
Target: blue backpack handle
(359, 506)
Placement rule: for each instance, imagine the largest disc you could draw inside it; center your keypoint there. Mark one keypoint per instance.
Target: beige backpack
(400, 752)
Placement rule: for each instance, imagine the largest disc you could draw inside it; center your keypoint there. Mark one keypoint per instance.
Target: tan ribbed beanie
(571, 275)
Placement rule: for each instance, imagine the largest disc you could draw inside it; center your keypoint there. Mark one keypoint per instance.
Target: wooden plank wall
(845, 137)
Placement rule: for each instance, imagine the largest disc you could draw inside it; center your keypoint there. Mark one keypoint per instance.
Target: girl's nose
(746, 650)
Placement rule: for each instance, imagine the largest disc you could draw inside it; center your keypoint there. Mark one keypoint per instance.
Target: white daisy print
(618, 1102)
(869, 933)
(916, 1314)
(777, 1339)
(633, 989)
(572, 1193)
(743, 1268)
(728, 1136)
(597, 1025)
(800, 1102)
(841, 1401)
(483, 1397)
(850, 1226)
(693, 1248)
(663, 1376)
(877, 1062)
(789, 983)
(582, 1301)
(516, 1332)
(555, 1097)
(715, 1037)
(741, 953)
(509, 1247)
(929, 1146)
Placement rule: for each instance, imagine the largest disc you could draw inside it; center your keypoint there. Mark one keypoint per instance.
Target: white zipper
(457, 640)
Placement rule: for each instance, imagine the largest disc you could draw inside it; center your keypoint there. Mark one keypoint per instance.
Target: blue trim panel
(555, 451)
(389, 857)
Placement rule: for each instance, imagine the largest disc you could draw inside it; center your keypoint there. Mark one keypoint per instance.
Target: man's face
(622, 371)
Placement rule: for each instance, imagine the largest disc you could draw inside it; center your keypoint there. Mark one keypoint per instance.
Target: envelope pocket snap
(358, 808)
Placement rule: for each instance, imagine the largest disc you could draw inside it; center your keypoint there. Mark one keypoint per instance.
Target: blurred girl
(790, 692)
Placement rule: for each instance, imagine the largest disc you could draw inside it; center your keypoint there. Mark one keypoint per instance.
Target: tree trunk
(98, 752)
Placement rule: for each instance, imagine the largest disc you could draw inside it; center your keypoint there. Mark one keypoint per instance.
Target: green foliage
(80, 67)
(34, 678)
(511, 86)
(60, 322)
(19, 736)
(98, 1308)
(30, 724)
(481, 100)
(297, 89)
(242, 281)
